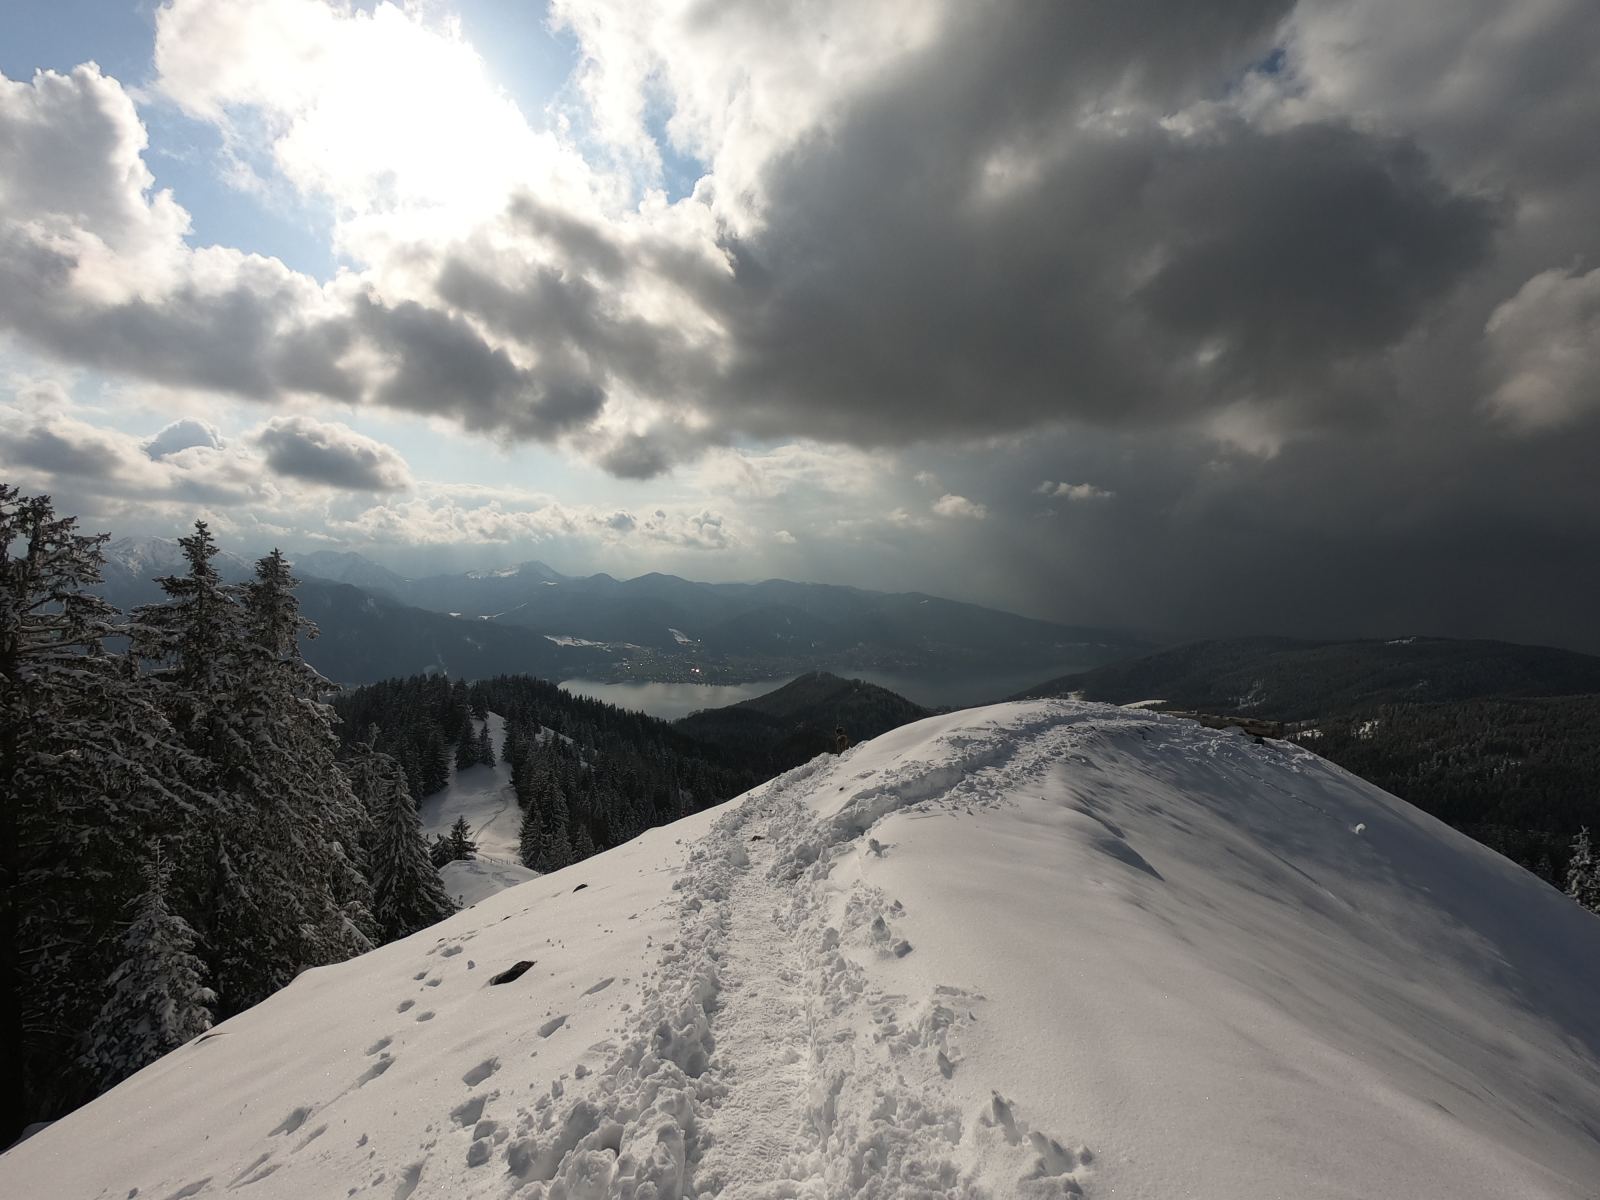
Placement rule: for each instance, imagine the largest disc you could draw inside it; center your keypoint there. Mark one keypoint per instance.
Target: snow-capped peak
(150, 557)
(1041, 949)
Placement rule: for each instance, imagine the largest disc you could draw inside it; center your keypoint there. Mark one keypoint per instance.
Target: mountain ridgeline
(660, 627)
(531, 619)
(1494, 738)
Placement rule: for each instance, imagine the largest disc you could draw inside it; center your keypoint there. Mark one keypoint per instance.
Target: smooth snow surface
(1043, 949)
(471, 880)
(484, 797)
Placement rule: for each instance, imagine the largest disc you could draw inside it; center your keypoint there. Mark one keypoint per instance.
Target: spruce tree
(467, 752)
(485, 746)
(158, 999)
(531, 837)
(1583, 873)
(555, 846)
(407, 894)
(312, 821)
(90, 770)
(435, 761)
(461, 844)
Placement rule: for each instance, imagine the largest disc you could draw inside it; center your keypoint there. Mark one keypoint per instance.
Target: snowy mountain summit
(1042, 949)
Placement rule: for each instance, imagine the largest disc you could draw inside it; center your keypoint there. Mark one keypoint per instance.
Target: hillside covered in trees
(587, 775)
(1292, 680)
(796, 722)
(1519, 775)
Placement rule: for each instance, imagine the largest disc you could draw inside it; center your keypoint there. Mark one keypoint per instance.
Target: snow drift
(1038, 949)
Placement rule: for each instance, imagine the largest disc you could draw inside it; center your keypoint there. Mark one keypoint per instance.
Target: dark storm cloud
(441, 364)
(1145, 276)
(238, 338)
(54, 452)
(332, 455)
(974, 245)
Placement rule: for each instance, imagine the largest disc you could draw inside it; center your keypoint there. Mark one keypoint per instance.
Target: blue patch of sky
(1272, 64)
(189, 157)
(184, 155)
(680, 171)
(536, 63)
(57, 35)
(528, 58)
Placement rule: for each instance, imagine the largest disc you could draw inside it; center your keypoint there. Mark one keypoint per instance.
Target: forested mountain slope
(1290, 680)
(796, 722)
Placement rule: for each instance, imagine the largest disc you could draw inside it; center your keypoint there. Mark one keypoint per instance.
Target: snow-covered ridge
(149, 557)
(1042, 949)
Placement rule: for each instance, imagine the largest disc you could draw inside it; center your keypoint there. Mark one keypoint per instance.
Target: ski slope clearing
(482, 795)
(1044, 949)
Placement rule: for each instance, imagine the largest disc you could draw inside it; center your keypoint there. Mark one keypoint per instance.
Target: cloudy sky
(1246, 316)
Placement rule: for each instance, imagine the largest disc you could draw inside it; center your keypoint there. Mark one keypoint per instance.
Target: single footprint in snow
(450, 952)
(434, 982)
(293, 1121)
(405, 1004)
(382, 1043)
(553, 1024)
(481, 1072)
(468, 1111)
(420, 975)
(425, 1016)
(250, 1170)
(1052, 1172)
(409, 1178)
(376, 1069)
(311, 1137)
(601, 986)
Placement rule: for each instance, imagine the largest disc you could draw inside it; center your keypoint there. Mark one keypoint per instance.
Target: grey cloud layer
(332, 455)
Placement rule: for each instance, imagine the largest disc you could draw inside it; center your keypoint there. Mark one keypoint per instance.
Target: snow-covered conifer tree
(313, 823)
(555, 846)
(158, 997)
(467, 750)
(461, 844)
(90, 770)
(531, 836)
(1583, 873)
(485, 746)
(407, 894)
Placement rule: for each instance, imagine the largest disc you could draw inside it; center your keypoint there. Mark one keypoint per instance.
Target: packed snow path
(757, 1130)
(1034, 950)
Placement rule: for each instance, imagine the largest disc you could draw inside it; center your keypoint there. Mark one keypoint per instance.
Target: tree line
(181, 834)
(587, 775)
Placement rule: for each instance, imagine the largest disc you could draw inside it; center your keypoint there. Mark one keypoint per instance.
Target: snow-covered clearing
(1042, 949)
(484, 797)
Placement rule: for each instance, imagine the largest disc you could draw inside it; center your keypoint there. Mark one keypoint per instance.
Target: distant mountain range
(533, 619)
(1288, 679)
(364, 634)
(666, 628)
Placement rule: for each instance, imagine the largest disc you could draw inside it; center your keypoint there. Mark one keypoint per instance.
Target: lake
(669, 701)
